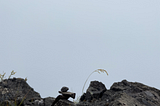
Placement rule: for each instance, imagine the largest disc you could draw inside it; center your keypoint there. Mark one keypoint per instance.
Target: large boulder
(133, 93)
(17, 90)
(124, 93)
(94, 91)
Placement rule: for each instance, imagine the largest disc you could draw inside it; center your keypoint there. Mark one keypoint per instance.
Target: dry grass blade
(24, 98)
(101, 70)
(25, 79)
(98, 70)
(12, 73)
(2, 76)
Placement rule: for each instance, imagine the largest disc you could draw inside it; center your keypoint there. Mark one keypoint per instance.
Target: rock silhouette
(65, 95)
(122, 93)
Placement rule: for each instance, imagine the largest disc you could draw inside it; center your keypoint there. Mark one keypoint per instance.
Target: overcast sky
(56, 43)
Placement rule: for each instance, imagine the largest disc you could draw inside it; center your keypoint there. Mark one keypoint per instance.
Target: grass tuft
(2, 76)
(12, 73)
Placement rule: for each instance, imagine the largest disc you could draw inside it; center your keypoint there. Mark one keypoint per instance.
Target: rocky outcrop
(122, 94)
(17, 92)
(16, 87)
(95, 91)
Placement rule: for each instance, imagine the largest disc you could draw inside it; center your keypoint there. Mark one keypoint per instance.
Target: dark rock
(16, 90)
(65, 96)
(124, 93)
(94, 91)
(48, 101)
(65, 103)
(64, 89)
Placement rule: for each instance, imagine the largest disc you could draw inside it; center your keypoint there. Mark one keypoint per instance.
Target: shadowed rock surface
(16, 87)
(122, 93)
(64, 96)
(17, 90)
(94, 91)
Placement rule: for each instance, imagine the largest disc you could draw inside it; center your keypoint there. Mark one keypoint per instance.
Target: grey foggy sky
(59, 43)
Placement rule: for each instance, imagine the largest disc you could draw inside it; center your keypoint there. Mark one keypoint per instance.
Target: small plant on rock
(2, 101)
(2, 75)
(12, 73)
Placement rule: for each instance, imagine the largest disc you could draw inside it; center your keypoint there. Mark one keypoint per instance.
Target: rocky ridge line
(122, 93)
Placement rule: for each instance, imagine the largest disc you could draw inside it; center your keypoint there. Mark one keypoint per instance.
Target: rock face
(16, 87)
(95, 91)
(122, 94)
(16, 91)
